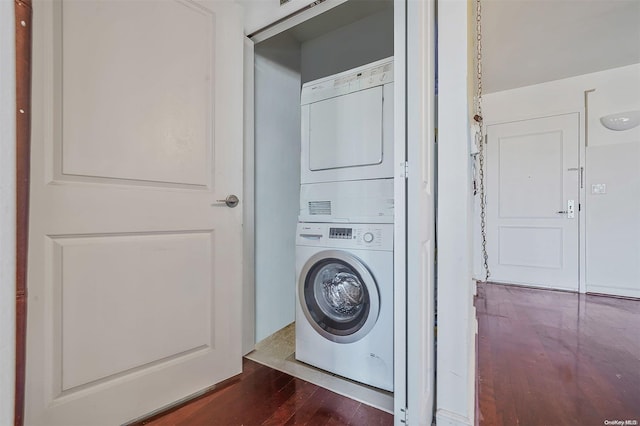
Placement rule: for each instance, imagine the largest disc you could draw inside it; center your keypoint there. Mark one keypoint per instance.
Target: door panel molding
(146, 97)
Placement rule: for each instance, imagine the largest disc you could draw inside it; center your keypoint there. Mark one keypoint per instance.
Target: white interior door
(135, 270)
(414, 213)
(400, 367)
(420, 231)
(532, 202)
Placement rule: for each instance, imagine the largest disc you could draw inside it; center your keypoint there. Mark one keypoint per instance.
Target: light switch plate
(599, 188)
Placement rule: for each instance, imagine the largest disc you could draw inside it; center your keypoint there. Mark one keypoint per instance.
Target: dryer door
(339, 296)
(346, 131)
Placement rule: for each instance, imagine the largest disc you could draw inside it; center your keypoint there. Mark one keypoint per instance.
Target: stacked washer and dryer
(344, 239)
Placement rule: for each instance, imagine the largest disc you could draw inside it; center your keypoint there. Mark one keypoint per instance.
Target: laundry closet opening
(351, 35)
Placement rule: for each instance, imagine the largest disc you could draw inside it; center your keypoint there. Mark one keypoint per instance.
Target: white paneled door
(420, 220)
(135, 269)
(533, 178)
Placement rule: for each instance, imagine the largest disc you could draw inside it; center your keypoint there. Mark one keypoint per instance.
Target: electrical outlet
(599, 188)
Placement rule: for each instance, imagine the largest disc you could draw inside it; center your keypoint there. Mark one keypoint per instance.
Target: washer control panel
(369, 237)
(363, 236)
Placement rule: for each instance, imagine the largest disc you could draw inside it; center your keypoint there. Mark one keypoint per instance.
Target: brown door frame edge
(23, 30)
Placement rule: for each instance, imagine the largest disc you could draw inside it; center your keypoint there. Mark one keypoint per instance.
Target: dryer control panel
(371, 75)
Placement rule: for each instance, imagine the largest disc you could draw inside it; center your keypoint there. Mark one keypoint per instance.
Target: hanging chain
(480, 139)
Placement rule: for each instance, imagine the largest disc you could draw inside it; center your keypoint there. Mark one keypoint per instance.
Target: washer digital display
(341, 233)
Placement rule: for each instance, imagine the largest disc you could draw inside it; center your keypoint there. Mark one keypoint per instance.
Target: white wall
(277, 180)
(613, 158)
(612, 244)
(455, 395)
(364, 41)
(7, 212)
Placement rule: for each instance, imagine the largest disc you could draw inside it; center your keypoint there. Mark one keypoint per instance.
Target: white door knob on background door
(570, 211)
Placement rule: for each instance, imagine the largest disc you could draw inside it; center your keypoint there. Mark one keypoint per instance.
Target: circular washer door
(339, 296)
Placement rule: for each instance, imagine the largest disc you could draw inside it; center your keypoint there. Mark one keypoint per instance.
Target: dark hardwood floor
(263, 396)
(555, 358)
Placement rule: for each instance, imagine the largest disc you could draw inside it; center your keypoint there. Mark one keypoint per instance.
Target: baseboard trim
(449, 418)
(619, 292)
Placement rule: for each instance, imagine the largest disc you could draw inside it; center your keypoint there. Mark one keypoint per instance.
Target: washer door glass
(337, 298)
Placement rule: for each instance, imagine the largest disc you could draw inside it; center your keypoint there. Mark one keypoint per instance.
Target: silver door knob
(230, 201)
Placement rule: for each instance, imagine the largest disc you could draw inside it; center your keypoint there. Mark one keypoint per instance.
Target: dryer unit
(357, 201)
(347, 125)
(344, 310)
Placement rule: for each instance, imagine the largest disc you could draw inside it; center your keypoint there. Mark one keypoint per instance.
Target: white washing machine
(344, 311)
(347, 125)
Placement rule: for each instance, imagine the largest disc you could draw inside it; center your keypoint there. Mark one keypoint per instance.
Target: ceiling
(528, 42)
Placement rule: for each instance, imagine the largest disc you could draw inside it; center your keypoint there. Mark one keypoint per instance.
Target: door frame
(401, 44)
(23, 35)
(248, 207)
(457, 325)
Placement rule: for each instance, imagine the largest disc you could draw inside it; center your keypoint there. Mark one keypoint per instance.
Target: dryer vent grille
(320, 207)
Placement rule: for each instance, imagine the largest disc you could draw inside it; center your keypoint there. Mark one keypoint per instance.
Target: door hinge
(405, 172)
(403, 416)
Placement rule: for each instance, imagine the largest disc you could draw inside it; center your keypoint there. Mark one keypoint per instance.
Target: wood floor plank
(304, 391)
(335, 410)
(263, 396)
(240, 402)
(310, 408)
(366, 415)
(556, 358)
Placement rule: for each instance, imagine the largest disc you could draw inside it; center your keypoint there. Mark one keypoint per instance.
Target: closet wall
(277, 180)
(359, 43)
(282, 64)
